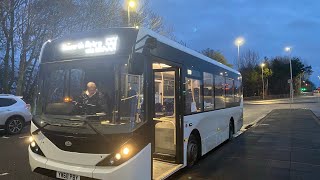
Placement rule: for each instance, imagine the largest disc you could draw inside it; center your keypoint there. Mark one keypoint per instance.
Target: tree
(281, 74)
(215, 55)
(144, 16)
(249, 59)
(7, 21)
(251, 73)
(267, 72)
(27, 24)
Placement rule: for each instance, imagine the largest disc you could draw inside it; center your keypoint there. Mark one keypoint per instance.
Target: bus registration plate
(67, 176)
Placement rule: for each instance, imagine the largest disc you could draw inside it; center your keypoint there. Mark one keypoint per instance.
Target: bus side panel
(213, 127)
(223, 117)
(239, 120)
(206, 126)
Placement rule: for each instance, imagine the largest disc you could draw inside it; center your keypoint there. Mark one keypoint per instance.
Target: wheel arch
(13, 116)
(196, 133)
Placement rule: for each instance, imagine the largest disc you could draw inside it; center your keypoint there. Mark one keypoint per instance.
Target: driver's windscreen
(104, 92)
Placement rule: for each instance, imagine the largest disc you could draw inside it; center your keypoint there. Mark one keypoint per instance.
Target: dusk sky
(267, 26)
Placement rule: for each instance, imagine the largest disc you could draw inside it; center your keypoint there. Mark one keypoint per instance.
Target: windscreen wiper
(46, 124)
(93, 128)
(51, 124)
(40, 128)
(85, 122)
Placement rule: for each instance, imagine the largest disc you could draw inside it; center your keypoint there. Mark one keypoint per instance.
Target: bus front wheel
(193, 150)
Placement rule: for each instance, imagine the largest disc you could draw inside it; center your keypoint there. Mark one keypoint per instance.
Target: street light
(239, 42)
(262, 65)
(288, 50)
(131, 4)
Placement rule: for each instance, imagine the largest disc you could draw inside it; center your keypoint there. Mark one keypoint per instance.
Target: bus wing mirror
(136, 64)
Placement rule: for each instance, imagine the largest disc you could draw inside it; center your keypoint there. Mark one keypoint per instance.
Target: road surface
(256, 110)
(14, 157)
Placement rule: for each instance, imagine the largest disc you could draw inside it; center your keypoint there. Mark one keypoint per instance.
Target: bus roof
(144, 32)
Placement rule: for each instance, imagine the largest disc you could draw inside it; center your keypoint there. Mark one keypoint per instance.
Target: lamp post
(131, 4)
(318, 90)
(262, 65)
(300, 86)
(288, 50)
(238, 42)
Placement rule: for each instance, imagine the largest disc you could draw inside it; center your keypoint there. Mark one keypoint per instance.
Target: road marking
(237, 134)
(263, 124)
(315, 117)
(22, 137)
(4, 174)
(5, 137)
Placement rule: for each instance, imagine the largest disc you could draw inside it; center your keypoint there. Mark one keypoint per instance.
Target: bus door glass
(165, 113)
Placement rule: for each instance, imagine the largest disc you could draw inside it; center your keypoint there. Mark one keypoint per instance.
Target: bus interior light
(67, 99)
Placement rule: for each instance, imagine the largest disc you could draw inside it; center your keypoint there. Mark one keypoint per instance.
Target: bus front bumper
(135, 168)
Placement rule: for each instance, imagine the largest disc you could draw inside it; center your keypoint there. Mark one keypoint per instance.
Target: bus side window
(208, 94)
(219, 92)
(229, 87)
(193, 101)
(237, 91)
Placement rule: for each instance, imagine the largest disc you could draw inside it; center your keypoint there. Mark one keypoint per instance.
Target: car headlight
(119, 157)
(34, 147)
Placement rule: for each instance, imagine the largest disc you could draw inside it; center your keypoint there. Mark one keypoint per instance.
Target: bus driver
(91, 100)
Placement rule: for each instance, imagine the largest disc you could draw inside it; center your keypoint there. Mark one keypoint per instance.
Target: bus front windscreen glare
(89, 97)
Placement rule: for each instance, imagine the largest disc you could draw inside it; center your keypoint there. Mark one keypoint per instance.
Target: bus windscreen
(103, 93)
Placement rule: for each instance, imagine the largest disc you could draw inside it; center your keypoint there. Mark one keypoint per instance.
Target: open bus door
(162, 105)
(167, 149)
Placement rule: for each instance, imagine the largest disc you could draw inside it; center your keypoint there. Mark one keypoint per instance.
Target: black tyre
(14, 125)
(231, 130)
(193, 150)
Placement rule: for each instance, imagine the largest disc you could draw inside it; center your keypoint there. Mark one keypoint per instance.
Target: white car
(14, 113)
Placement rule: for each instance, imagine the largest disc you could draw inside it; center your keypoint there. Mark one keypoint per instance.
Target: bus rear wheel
(192, 150)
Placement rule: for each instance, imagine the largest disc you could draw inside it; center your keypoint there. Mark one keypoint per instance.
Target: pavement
(283, 145)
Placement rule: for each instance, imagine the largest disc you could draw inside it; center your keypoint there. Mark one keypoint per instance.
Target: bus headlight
(125, 150)
(118, 156)
(115, 159)
(33, 144)
(31, 139)
(34, 147)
